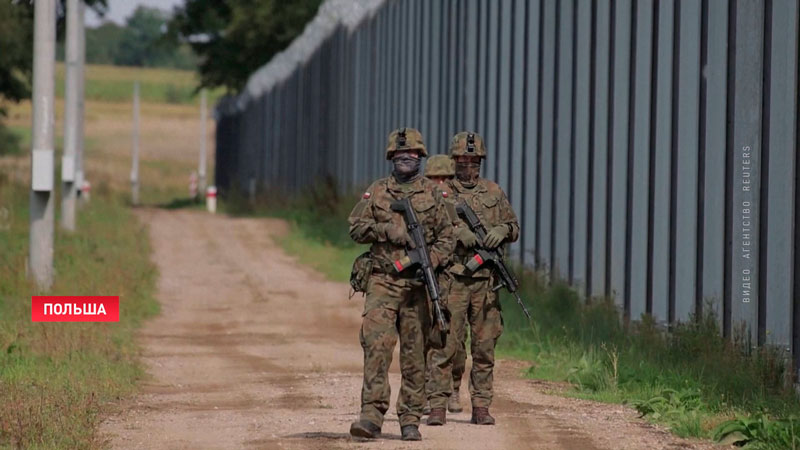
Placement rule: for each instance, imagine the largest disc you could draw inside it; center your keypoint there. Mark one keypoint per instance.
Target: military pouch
(359, 276)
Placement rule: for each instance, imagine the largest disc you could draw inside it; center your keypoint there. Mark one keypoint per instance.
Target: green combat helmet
(405, 139)
(467, 143)
(440, 166)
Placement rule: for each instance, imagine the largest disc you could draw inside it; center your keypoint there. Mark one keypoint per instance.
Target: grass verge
(690, 379)
(56, 377)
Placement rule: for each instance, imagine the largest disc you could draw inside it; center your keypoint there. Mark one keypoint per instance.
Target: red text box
(75, 308)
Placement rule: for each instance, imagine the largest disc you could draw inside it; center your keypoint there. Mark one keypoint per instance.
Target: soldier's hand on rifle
(398, 235)
(496, 236)
(466, 237)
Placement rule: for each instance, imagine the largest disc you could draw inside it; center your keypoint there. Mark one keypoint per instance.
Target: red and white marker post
(86, 189)
(211, 199)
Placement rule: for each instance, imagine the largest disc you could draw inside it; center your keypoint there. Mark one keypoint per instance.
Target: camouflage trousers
(472, 301)
(459, 362)
(394, 307)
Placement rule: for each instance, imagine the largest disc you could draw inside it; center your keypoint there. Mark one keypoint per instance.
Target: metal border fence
(648, 146)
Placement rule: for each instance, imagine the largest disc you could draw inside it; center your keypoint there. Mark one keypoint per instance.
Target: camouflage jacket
(492, 207)
(374, 208)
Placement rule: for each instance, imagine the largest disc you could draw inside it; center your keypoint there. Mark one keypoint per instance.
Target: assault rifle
(494, 257)
(419, 256)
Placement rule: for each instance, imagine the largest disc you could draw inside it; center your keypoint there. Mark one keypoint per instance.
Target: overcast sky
(119, 10)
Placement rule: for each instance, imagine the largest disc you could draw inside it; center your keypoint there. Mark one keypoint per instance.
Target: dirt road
(252, 350)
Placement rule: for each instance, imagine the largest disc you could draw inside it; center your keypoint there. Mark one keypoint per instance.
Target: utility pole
(135, 166)
(203, 141)
(79, 172)
(70, 187)
(42, 157)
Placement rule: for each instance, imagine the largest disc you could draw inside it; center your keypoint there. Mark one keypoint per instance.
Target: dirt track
(252, 350)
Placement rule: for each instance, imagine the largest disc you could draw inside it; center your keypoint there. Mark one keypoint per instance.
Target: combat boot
(410, 433)
(364, 429)
(454, 402)
(480, 416)
(427, 408)
(438, 417)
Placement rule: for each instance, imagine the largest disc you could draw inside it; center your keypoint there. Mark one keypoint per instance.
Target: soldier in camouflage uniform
(397, 303)
(442, 169)
(471, 296)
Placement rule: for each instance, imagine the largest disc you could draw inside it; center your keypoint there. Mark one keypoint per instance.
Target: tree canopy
(144, 42)
(233, 38)
(16, 42)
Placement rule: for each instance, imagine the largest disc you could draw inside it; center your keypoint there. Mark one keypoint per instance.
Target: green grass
(691, 379)
(56, 377)
(115, 84)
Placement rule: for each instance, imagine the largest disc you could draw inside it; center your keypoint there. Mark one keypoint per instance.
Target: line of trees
(143, 41)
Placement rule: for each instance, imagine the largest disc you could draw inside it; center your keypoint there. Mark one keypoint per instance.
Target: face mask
(406, 167)
(468, 173)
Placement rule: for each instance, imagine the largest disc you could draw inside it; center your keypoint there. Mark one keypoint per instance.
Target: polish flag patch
(366, 195)
(444, 194)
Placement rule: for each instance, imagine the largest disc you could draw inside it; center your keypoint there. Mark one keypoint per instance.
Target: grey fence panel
(529, 213)
(470, 64)
(451, 42)
(546, 137)
(265, 135)
(504, 125)
(746, 148)
(482, 67)
(640, 176)
(459, 62)
(620, 142)
(687, 151)
(563, 139)
(420, 47)
(712, 240)
(433, 134)
(361, 126)
(380, 52)
(648, 147)
(517, 92)
(492, 88)
(424, 65)
(662, 171)
(406, 50)
(778, 258)
(600, 141)
(582, 145)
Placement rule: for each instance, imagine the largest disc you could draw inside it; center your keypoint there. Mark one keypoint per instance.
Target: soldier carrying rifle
(399, 281)
(471, 295)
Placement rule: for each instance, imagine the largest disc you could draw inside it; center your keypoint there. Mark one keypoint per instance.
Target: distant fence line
(649, 147)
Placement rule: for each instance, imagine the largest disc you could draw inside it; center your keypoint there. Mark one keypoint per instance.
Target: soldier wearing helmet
(471, 298)
(442, 169)
(396, 303)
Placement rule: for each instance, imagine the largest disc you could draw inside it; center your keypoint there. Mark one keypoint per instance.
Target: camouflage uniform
(443, 166)
(397, 303)
(471, 298)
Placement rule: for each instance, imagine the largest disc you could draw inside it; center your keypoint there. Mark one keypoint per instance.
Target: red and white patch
(444, 194)
(366, 195)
